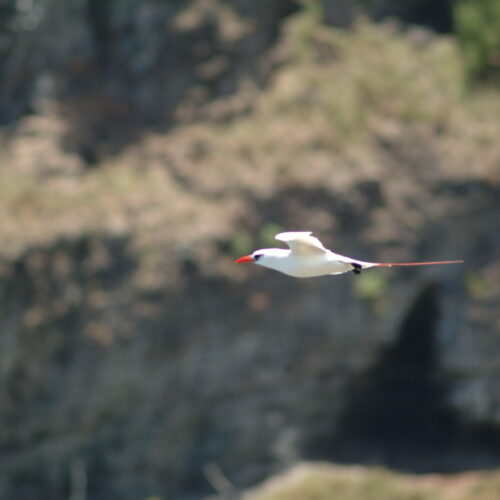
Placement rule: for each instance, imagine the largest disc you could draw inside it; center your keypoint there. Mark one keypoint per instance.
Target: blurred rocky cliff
(145, 144)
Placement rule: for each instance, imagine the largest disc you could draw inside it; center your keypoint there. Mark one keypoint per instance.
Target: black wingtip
(356, 268)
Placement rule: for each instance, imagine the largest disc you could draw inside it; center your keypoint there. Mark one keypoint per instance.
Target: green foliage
(372, 286)
(268, 232)
(241, 243)
(477, 287)
(477, 24)
(306, 25)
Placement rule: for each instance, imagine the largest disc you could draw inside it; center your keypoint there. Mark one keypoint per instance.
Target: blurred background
(144, 145)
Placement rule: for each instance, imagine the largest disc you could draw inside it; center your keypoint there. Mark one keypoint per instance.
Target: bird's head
(254, 257)
(266, 257)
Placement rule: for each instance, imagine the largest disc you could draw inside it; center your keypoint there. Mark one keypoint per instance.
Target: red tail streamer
(391, 264)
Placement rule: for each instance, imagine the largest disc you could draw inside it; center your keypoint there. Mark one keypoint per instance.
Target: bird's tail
(433, 263)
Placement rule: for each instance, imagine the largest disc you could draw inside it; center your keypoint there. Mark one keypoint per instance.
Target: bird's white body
(307, 257)
(306, 265)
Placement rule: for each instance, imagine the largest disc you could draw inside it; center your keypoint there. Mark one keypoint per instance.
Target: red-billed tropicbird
(307, 257)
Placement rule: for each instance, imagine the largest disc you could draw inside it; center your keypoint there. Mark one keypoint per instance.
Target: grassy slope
(328, 482)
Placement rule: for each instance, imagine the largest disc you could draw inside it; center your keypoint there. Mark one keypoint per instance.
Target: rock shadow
(397, 413)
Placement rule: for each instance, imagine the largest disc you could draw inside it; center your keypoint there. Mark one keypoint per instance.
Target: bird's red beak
(246, 258)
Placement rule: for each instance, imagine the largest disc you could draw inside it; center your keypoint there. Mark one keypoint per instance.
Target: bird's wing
(302, 243)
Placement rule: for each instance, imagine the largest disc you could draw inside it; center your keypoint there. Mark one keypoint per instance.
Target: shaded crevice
(400, 399)
(98, 21)
(397, 413)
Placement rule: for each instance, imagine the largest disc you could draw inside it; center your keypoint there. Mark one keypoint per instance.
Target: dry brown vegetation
(329, 482)
(338, 101)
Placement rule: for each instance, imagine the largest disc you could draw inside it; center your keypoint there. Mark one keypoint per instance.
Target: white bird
(307, 257)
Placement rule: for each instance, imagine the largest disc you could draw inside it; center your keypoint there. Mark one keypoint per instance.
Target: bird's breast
(310, 266)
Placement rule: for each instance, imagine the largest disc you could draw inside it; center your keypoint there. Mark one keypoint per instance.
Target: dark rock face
(402, 403)
(118, 384)
(138, 391)
(435, 15)
(117, 68)
(406, 392)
